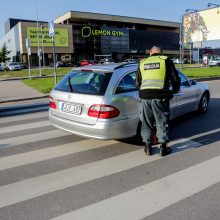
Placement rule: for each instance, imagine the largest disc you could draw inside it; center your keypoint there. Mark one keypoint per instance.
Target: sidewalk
(15, 92)
(17, 98)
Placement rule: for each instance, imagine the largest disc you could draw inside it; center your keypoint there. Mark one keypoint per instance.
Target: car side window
(127, 83)
(183, 80)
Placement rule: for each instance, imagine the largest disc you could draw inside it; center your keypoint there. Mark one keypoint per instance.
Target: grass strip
(43, 85)
(34, 72)
(201, 72)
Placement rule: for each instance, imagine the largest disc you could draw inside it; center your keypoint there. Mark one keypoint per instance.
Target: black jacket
(171, 77)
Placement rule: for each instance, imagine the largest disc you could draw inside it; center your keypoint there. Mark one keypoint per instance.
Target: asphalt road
(46, 173)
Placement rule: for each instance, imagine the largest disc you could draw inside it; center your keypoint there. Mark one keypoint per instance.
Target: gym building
(84, 35)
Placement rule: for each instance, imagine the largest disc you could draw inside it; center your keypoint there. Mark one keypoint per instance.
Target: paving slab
(12, 91)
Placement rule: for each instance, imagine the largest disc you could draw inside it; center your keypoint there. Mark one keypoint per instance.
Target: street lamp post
(190, 53)
(181, 41)
(214, 5)
(38, 42)
(42, 36)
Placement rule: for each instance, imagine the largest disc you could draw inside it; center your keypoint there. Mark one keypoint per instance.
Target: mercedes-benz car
(102, 101)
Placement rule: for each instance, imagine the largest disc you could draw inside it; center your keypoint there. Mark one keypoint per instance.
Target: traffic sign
(27, 42)
(29, 51)
(51, 28)
(51, 33)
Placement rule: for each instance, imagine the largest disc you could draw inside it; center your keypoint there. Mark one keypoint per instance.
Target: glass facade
(116, 42)
(91, 40)
(144, 40)
(121, 43)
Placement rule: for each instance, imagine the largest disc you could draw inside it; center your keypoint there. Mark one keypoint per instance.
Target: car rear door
(125, 98)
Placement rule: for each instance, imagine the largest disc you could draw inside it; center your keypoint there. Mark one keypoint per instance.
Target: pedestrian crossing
(13, 128)
(94, 179)
(174, 188)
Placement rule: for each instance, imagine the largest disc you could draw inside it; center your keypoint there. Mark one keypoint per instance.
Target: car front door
(187, 97)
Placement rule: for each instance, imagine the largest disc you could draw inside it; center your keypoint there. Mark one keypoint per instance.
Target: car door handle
(178, 94)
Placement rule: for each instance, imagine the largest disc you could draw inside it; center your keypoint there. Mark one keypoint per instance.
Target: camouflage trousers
(155, 112)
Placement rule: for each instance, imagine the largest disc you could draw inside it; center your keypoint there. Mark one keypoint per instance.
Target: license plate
(71, 108)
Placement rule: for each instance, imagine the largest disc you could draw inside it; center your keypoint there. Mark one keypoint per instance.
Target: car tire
(204, 102)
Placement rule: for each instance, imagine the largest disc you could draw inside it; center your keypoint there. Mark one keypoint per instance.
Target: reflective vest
(153, 72)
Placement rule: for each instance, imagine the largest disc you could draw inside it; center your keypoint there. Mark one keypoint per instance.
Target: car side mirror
(193, 82)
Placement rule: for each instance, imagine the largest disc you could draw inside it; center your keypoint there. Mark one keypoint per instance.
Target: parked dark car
(62, 64)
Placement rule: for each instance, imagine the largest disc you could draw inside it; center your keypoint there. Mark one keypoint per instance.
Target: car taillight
(52, 103)
(103, 111)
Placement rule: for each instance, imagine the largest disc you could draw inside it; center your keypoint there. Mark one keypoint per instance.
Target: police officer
(154, 77)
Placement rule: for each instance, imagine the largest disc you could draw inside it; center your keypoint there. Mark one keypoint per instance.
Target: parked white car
(130, 61)
(2, 67)
(177, 61)
(214, 62)
(107, 61)
(12, 66)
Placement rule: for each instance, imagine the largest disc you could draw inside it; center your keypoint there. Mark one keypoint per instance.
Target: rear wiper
(69, 84)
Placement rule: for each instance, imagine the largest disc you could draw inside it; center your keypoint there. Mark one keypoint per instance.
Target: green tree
(4, 54)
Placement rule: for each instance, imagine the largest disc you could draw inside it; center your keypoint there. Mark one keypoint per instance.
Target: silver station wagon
(102, 101)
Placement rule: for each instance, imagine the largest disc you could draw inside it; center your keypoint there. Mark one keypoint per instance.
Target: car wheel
(204, 102)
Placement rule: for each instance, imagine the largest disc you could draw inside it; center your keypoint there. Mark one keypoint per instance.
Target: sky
(167, 10)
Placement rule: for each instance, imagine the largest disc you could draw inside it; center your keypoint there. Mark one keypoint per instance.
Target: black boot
(148, 149)
(164, 150)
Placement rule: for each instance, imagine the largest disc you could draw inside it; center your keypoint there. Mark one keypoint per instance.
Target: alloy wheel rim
(204, 102)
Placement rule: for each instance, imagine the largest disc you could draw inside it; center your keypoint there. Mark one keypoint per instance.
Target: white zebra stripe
(9, 142)
(27, 189)
(23, 117)
(51, 153)
(153, 197)
(15, 128)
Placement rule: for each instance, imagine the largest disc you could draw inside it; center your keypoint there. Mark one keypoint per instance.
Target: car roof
(106, 67)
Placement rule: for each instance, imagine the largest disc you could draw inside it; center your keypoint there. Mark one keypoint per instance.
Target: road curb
(25, 108)
(25, 99)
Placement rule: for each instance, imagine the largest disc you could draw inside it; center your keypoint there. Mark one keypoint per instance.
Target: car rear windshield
(84, 82)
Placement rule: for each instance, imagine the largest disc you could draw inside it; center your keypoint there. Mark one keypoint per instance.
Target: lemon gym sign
(60, 37)
(89, 32)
